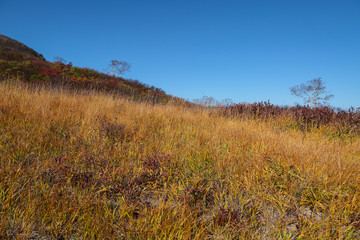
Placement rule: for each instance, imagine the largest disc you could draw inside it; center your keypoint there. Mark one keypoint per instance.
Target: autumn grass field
(76, 165)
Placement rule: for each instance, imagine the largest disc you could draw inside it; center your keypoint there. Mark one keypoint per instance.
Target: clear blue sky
(244, 50)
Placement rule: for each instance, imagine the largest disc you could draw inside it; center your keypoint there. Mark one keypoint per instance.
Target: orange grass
(86, 166)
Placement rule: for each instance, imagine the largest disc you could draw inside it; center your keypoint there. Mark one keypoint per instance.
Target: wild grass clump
(86, 166)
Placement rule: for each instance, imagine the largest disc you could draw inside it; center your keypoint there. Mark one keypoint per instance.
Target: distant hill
(9, 48)
(20, 62)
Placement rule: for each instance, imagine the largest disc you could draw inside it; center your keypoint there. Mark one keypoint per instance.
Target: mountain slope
(10, 48)
(20, 62)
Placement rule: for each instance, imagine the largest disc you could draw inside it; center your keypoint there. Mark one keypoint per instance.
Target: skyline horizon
(247, 52)
(219, 101)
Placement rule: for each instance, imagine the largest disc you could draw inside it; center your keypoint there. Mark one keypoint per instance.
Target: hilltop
(11, 49)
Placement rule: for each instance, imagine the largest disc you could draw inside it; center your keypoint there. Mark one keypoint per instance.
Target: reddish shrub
(50, 72)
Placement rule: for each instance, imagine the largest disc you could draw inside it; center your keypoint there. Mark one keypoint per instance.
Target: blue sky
(244, 50)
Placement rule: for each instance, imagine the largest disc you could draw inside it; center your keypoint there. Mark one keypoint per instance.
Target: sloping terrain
(10, 48)
(21, 63)
(87, 166)
(85, 155)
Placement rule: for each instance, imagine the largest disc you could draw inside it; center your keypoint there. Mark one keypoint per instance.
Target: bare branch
(117, 68)
(60, 60)
(312, 92)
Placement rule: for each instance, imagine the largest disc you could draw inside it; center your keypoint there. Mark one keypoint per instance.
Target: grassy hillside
(21, 63)
(75, 165)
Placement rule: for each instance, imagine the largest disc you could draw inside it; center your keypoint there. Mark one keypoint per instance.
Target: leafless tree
(206, 101)
(313, 92)
(226, 102)
(117, 68)
(60, 60)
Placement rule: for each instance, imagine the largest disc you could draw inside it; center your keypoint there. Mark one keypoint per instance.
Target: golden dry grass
(86, 166)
